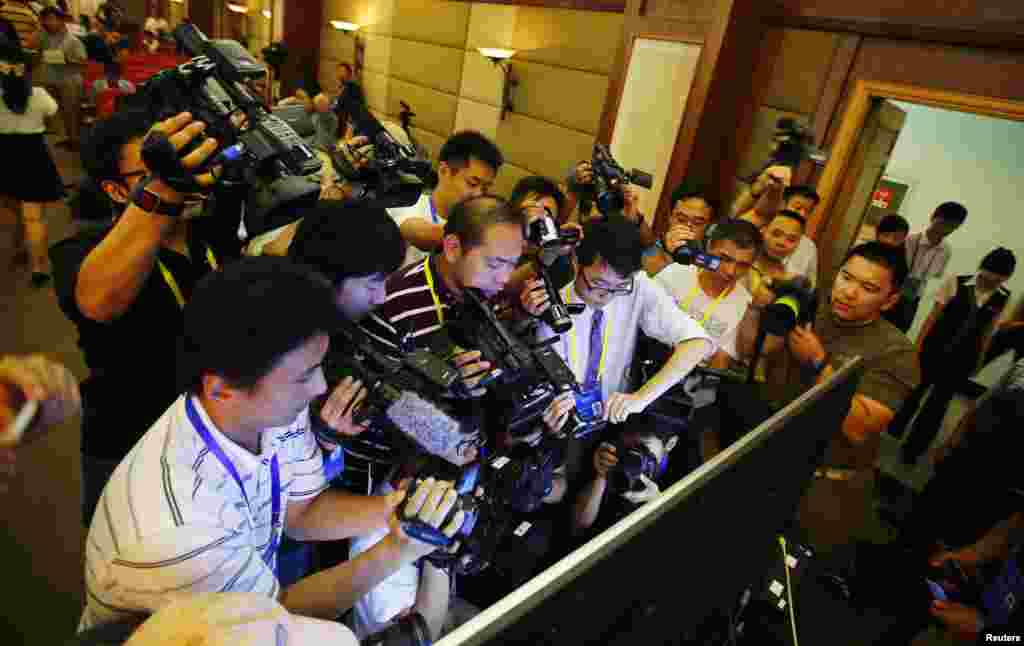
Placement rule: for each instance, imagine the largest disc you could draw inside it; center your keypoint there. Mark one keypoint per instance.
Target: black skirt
(32, 175)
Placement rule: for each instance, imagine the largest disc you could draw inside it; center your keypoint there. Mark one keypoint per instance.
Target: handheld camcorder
(634, 461)
(531, 375)
(795, 304)
(410, 395)
(261, 155)
(543, 232)
(610, 178)
(385, 174)
(692, 252)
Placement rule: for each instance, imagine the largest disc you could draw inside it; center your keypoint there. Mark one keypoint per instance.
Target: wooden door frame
(824, 224)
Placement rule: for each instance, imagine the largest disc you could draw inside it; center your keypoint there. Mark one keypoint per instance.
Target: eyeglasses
(741, 266)
(627, 288)
(692, 221)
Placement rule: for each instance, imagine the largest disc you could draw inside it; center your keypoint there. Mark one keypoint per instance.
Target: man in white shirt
(202, 500)
(619, 301)
(467, 165)
(928, 255)
(717, 299)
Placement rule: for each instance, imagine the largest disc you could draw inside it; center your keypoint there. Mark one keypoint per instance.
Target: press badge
(590, 404)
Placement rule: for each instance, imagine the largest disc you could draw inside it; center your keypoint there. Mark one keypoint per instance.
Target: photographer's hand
(431, 503)
(558, 410)
(534, 297)
(631, 208)
(584, 173)
(649, 492)
(679, 234)
(473, 371)
(604, 460)
(805, 345)
(182, 130)
(340, 408)
(620, 406)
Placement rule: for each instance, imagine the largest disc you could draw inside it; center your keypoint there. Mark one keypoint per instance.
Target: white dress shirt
(423, 210)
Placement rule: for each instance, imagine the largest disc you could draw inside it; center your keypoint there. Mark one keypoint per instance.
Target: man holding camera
(850, 324)
(202, 500)
(619, 300)
(692, 213)
(467, 165)
(124, 286)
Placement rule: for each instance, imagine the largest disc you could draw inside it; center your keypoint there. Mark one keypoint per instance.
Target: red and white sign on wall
(882, 198)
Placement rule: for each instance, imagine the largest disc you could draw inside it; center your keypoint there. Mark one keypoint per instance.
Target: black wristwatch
(150, 202)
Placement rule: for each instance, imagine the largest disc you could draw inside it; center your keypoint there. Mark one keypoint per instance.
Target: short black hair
(801, 190)
(792, 215)
(687, 190)
(740, 232)
(243, 319)
(470, 218)
(470, 144)
(616, 240)
(892, 258)
(51, 11)
(951, 211)
(103, 146)
(539, 186)
(999, 261)
(343, 241)
(893, 223)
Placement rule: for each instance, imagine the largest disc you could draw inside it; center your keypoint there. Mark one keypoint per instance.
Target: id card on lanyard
(173, 284)
(275, 483)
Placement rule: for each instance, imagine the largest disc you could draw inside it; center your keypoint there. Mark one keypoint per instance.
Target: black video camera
(411, 395)
(262, 155)
(531, 375)
(796, 302)
(543, 232)
(633, 462)
(692, 252)
(610, 179)
(385, 174)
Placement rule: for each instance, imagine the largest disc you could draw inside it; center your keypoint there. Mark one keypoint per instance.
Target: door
(854, 202)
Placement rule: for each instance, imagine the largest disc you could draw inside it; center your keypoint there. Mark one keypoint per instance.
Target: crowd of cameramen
(219, 435)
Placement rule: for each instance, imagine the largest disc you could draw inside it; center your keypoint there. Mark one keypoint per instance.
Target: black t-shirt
(132, 359)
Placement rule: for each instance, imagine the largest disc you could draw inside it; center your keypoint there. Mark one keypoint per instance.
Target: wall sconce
(267, 14)
(237, 8)
(360, 47)
(500, 57)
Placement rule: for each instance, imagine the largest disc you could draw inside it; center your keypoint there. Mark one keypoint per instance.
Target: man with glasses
(692, 212)
(124, 286)
(619, 301)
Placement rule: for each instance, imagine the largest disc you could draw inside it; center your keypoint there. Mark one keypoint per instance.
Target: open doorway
(904, 151)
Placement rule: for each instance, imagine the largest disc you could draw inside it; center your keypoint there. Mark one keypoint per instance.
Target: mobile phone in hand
(11, 435)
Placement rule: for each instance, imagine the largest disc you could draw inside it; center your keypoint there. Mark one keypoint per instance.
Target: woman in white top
(35, 179)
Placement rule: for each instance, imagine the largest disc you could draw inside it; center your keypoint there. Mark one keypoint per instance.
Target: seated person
(692, 212)
(849, 324)
(238, 465)
(466, 168)
(596, 508)
(915, 592)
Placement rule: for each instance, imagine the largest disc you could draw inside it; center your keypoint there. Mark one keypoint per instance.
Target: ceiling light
(496, 54)
(344, 26)
(238, 8)
(266, 14)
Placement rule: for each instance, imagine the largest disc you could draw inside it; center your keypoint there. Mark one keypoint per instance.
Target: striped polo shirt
(416, 306)
(172, 521)
(24, 19)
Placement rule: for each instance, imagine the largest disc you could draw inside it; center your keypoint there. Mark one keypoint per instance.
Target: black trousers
(902, 314)
(929, 421)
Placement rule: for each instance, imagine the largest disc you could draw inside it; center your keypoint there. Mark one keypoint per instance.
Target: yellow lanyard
(685, 305)
(173, 284)
(567, 297)
(433, 291)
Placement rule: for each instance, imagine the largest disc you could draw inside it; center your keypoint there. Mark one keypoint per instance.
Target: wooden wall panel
(800, 70)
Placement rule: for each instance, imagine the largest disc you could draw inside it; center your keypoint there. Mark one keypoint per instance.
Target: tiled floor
(41, 542)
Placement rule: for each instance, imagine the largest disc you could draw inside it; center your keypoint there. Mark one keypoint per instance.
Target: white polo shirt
(172, 521)
(804, 260)
(720, 317)
(649, 308)
(421, 209)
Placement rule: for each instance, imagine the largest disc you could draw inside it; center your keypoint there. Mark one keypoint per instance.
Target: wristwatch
(818, 366)
(150, 202)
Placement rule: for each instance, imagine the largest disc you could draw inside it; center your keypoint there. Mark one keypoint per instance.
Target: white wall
(977, 161)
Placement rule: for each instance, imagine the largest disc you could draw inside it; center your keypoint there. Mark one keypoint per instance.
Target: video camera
(610, 179)
(261, 154)
(692, 252)
(385, 174)
(411, 395)
(543, 232)
(633, 462)
(796, 302)
(531, 376)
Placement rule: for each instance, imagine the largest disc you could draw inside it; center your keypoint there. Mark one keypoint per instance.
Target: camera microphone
(433, 429)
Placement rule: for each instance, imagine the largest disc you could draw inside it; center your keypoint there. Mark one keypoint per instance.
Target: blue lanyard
(275, 481)
(433, 209)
